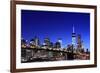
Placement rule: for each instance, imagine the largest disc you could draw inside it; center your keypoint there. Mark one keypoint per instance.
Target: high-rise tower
(60, 41)
(36, 41)
(74, 37)
(47, 42)
(80, 47)
(79, 42)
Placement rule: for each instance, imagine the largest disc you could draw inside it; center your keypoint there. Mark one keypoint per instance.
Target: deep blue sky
(55, 25)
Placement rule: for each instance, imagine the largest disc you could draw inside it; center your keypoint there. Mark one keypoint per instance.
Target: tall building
(57, 45)
(47, 42)
(74, 37)
(80, 44)
(23, 41)
(60, 41)
(51, 45)
(32, 41)
(36, 41)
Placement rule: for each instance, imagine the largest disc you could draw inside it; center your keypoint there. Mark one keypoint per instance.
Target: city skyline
(55, 25)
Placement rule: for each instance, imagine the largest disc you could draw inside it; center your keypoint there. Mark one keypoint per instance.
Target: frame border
(13, 35)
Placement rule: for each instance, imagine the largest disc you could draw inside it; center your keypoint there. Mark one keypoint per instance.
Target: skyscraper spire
(73, 37)
(73, 29)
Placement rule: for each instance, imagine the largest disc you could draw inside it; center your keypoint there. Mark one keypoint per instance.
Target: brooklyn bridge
(51, 54)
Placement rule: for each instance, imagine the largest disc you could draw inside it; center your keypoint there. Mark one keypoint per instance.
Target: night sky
(55, 25)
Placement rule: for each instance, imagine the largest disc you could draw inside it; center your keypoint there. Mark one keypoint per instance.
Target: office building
(74, 38)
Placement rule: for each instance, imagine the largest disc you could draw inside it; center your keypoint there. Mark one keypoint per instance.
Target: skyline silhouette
(55, 25)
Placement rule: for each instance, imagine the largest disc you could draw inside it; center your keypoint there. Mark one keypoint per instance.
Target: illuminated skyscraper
(60, 41)
(47, 42)
(57, 45)
(36, 41)
(79, 42)
(74, 37)
(80, 47)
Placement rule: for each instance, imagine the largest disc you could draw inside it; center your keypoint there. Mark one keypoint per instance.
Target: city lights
(34, 51)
